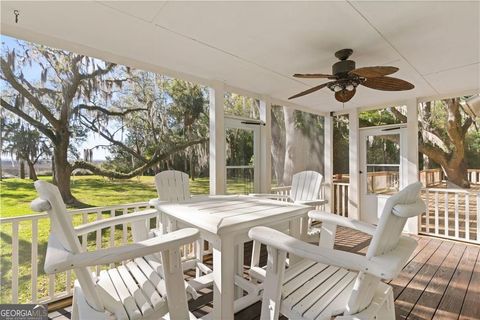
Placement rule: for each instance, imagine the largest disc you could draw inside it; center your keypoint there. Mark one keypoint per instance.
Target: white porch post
(412, 155)
(217, 138)
(354, 166)
(265, 145)
(328, 162)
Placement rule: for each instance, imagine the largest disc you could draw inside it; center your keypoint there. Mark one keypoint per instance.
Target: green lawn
(15, 198)
(16, 194)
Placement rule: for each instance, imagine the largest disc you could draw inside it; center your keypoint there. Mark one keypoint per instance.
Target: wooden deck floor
(441, 281)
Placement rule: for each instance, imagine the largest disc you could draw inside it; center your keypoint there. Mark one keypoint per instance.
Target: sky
(33, 74)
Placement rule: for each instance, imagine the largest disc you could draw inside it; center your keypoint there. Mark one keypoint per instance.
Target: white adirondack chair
(173, 186)
(305, 190)
(332, 283)
(148, 285)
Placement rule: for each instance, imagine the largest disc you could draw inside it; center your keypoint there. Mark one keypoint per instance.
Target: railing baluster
(15, 262)
(98, 242)
(456, 222)
(467, 216)
(51, 286)
(478, 217)
(84, 237)
(437, 213)
(337, 206)
(34, 260)
(124, 229)
(446, 213)
(112, 234)
(427, 212)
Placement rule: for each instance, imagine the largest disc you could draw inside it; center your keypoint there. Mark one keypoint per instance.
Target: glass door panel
(240, 160)
(383, 164)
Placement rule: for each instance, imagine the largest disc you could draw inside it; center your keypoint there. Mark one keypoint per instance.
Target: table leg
(296, 232)
(304, 228)
(223, 278)
(239, 268)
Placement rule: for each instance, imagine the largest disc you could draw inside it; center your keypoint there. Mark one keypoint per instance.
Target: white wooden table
(224, 221)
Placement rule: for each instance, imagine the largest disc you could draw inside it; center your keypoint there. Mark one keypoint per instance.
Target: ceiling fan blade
(373, 72)
(323, 85)
(314, 75)
(345, 95)
(387, 84)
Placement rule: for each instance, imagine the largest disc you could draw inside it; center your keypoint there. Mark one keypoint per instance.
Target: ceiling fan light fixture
(346, 78)
(337, 88)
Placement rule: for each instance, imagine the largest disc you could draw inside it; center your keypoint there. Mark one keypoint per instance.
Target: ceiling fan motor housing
(343, 67)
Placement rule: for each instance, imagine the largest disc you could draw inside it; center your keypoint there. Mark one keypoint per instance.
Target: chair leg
(387, 310)
(81, 309)
(199, 252)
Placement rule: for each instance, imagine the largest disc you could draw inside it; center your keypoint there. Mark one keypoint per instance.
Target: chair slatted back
(172, 186)
(398, 208)
(306, 185)
(62, 233)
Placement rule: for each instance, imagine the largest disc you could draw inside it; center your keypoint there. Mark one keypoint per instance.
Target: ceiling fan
(346, 78)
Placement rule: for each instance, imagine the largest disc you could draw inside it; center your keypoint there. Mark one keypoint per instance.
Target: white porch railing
(340, 198)
(22, 258)
(474, 176)
(339, 203)
(452, 214)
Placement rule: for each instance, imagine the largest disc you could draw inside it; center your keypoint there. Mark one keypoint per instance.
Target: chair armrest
(342, 221)
(312, 202)
(153, 202)
(384, 267)
(394, 260)
(113, 221)
(59, 259)
(270, 196)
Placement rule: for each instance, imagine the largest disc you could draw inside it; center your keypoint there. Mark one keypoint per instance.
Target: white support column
(412, 155)
(265, 145)
(217, 138)
(354, 164)
(328, 162)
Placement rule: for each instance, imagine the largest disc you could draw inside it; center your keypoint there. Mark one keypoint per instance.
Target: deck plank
(451, 303)
(427, 304)
(471, 304)
(412, 268)
(410, 294)
(427, 283)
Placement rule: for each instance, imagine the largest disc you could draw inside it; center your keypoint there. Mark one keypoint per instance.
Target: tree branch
(466, 126)
(137, 171)
(10, 77)
(397, 114)
(433, 152)
(91, 125)
(105, 111)
(97, 72)
(37, 124)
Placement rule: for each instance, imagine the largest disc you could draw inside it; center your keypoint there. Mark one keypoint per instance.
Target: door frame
(235, 122)
(371, 205)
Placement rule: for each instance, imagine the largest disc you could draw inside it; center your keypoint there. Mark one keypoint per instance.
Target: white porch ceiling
(257, 46)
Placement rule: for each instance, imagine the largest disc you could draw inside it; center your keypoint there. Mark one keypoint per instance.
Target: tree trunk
(278, 150)
(54, 177)
(32, 174)
(63, 170)
(290, 132)
(457, 174)
(192, 164)
(22, 169)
